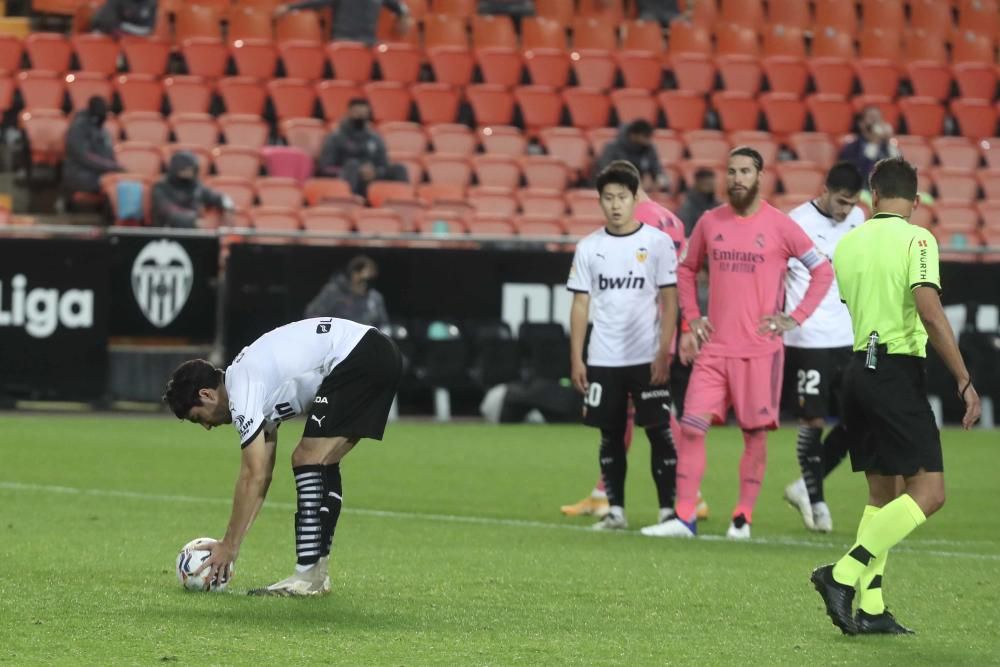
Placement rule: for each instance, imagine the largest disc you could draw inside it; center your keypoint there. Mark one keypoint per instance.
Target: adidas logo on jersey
(622, 282)
(718, 237)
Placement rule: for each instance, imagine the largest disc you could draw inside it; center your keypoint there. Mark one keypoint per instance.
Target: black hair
(844, 177)
(641, 127)
(746, 151)
(703, 172)
(894, 178)
(625, 165)
(359, 263)
(620, 176)
(186, 381)
(358, 101)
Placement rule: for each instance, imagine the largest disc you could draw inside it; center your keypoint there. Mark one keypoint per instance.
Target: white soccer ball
(192, 555)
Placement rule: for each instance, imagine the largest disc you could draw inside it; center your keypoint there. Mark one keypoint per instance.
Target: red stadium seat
(378, 222)
(560, 11)
(887, 13)
(236, 161)
(545, 172)
(694, 72)
(463, 8)
(878, 43)
(584, 204)
(831, 114)
(831, 43)
(492, 201)
(954, 185)
(491, 104)
(195, 128)
(542, 227)
(971, 47)
(707, 145)
(594, 68)
(403, 137)
(306, 134)
(452, 139)
(920, 45)
(292, 98)
(541, 203)
(547, 67)
(242, 95)
(187, 94)
(785, 113)
(351, 61)
(740, 73)
(302, 59)
(814, 147)
(435, 193)
(989, 181)
(989, 211)
(737, 111)
(240, 190)
(642, 36)
(48, 51)
(498, 171)
(448, 169)
(838, 15)
(323, 191)
(299, 26)
(389, 100)
(494, 32)
(445, 30)
(399, 62)
(976, 118)
(924, 116)
(792, 13)
(540, 106)
(975, 80)
(786, 74)
(916, 150)
(592, 33)
(11, 50)
(499, 65)
(609, 11)
(145, 55)
(452, 65)
(81, 86)
(436, 102)
(956, 152)
(744, 13)
(503, 140)
(46, 132)
(801, 178)
(245, 130)
(956, 217)
(732, 40)
(587, 107)
(255, 58)
(542, 33)
(96, 52)
(327, 219)
(932, 16)
(641, 69)
(139, 157)
(205, 56)
(689, 38)
(382, 192)
(930, 79)
(784, 40)
(247, 22)
(334, 97)
(631, 104)
(877, 77)
(286, 192)
(197, 20)
(684, 110)
(41, 90)
(978, 16)
(275, 219)
(669, 146)
(139, 92)
(146, 126)
(833, 76)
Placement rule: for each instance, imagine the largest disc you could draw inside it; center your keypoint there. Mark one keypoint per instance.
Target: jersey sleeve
(666, 263)
(579, 272)
(922, 264)
(246, 402)
(687, 272)
(799, 246)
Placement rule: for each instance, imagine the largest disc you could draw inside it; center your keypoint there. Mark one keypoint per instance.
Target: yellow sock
(883, 530)
(870, 586)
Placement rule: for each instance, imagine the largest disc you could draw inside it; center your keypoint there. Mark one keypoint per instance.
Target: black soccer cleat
(837, 597)
(879, 624)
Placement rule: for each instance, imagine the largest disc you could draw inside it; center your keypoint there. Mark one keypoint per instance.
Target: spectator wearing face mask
(872, 144)
(356, 153)
(89, 151)
(350, 296)
(179, 199)
(635, 144)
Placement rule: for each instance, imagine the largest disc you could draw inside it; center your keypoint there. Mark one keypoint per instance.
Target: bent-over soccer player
(344, 376)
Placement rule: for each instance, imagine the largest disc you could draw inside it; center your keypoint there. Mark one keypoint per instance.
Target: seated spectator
(515, 8)
(663, 11)
(90, 152)
(349, 295)
(699, 199)
(126, 17)
(356, 153)
(358, 24)
(872, 144)
(635, 144)
(179, 199)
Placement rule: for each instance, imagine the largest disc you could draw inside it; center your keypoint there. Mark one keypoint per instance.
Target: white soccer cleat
(822, 521)
(669, 528)
(797, 496)
(611, 521)
(739, 529)
(312, 582)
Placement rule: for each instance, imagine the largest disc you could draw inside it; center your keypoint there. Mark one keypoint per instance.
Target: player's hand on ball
(702, 330)
(578, 374)
(660, 370)
(688, 348)
(220, 563)
(775, 325)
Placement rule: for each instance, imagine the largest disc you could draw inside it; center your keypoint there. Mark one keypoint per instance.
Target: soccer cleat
(589, 506)
(822, 521)
(313, 581)
(739, 529)
(702, 509)
(611, 522)
(879, 624)
(797, 496)
(671, 528)
(837, 597)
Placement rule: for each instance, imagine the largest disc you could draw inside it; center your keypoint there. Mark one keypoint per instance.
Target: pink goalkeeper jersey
(747, 261)
(653, 214)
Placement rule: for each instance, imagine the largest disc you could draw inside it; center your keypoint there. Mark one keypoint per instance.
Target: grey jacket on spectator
(350, 142)
(337, 300)
(354, 20)
(179, 202)
(89, 150)
(643, 157)
(128, 17)
(694, 206)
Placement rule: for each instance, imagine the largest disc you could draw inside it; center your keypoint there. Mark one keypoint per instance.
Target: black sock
(614, 464)
(309, 489)
(835, 447)
(810, 452)
(333, 500)
(663, 462)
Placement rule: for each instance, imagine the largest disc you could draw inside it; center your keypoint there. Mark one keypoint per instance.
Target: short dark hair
(360, 262)
(358, 101)
(626, 165)
(639, 126)
(844, 177)
(186, 381)
(704, 172)
(894, 178)
(620, 176)
(746, 151)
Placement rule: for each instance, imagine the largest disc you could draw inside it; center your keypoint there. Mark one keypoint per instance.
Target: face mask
(358, 123)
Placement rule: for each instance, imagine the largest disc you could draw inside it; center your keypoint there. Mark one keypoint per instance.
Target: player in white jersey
(819, 349)
(619, 274)
(340, 374)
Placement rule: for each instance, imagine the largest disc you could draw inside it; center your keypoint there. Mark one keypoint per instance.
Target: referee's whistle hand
(972, 407)
(578, 374)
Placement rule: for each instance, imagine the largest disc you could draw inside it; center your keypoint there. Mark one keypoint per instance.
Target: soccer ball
(192, 555)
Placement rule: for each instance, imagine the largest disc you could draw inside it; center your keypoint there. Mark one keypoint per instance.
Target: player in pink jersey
(747, 244)
(652, 214)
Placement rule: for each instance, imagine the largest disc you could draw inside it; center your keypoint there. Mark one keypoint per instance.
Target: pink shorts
(751, 386)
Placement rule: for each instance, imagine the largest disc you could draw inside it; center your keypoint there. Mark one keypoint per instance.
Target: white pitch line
(475, 520)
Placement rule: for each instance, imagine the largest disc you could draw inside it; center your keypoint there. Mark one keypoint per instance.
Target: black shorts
(354, 399)
(606, 402)
(818, 374)
(680, 375)
(889, 420)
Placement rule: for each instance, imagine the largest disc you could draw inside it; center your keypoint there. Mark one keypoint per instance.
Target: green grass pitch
(451, 551)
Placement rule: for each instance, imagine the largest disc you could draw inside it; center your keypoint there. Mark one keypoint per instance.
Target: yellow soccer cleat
(589, 506)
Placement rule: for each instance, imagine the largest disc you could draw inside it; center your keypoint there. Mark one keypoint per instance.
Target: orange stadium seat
(924, 116)
(979, 16)
(989, 181)
(327, 219)
(956, 152)
(877, 77)
(973, 47)
(500, 65)
(301, 26)
(187, 94)
(403, 137)
(389, 100)
(302, 59)
(631, 104)
(693, 72)
(594, 68)
(783, 40)
(541, 203)
(448, 169)
(11, 50)
(378, 222)
(249, 23)
(452, 139)
(46, 132)
(831, 114)
(836, 14)
(831, 43)
(786, 74)
(931, 16)
(334, 97)
(642, 36)
(245, 130)
(954, 185)
(195, 128)
(740, 73)
(801, 178)
(7, 93)
(464, 8)
(196, 20)
(292, 98)
(81, 86)
(669, 146)
(561, 11)
(707, 145)
(542, 33)
(745, 13)
(976, 118)
(139, 157)
(956, 217)
(306, 134)
(434, 193)
(321, 191)
(880, 43)
(491, 226)
(399, 62)
(545, 172)
(540, 106)
(503, 140)
(499, 171)
(351, 61)
(205, 56)
(531, 226)
(494, 32)
(548, 67)
(255, 58)
(236, 161)
(445, 30)
(888, 13)
(785, 113)
(436, 102)
(147, 126)
(733, 39)
(381, 192)
(48, 51)
(139, 92)
(145, 55)
(975, 80)
(814, 147)
(737, 111)
(790, 13)
(689, 38)
(242, 95)
(96, 53)
(240, 190)
(584, 203)
(929, 79)
(916, 150)
(587, 107)
(41, 89)
(275, 219)
(921, 45)
(593, 33)
(832, 76)
(491, 104)
(452, 65)
(684, 110)
(492, 201)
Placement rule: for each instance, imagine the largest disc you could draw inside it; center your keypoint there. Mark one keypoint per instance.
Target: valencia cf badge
(641, 254)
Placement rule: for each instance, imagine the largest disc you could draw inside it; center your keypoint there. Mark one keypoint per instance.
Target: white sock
(666, 513)
(598, 494)
(303, 568)
(616, 511)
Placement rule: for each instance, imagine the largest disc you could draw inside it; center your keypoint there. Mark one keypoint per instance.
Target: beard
(741, 199)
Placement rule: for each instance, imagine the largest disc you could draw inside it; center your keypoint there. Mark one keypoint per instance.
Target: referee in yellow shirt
(888, 274)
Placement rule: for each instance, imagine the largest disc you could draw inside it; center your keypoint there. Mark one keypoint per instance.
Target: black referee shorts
(888, 417)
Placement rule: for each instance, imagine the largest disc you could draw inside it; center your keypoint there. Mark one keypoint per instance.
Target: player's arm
(577, 333)
(668, 324)
(687, 284)
(801, 247)
(256, 467)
